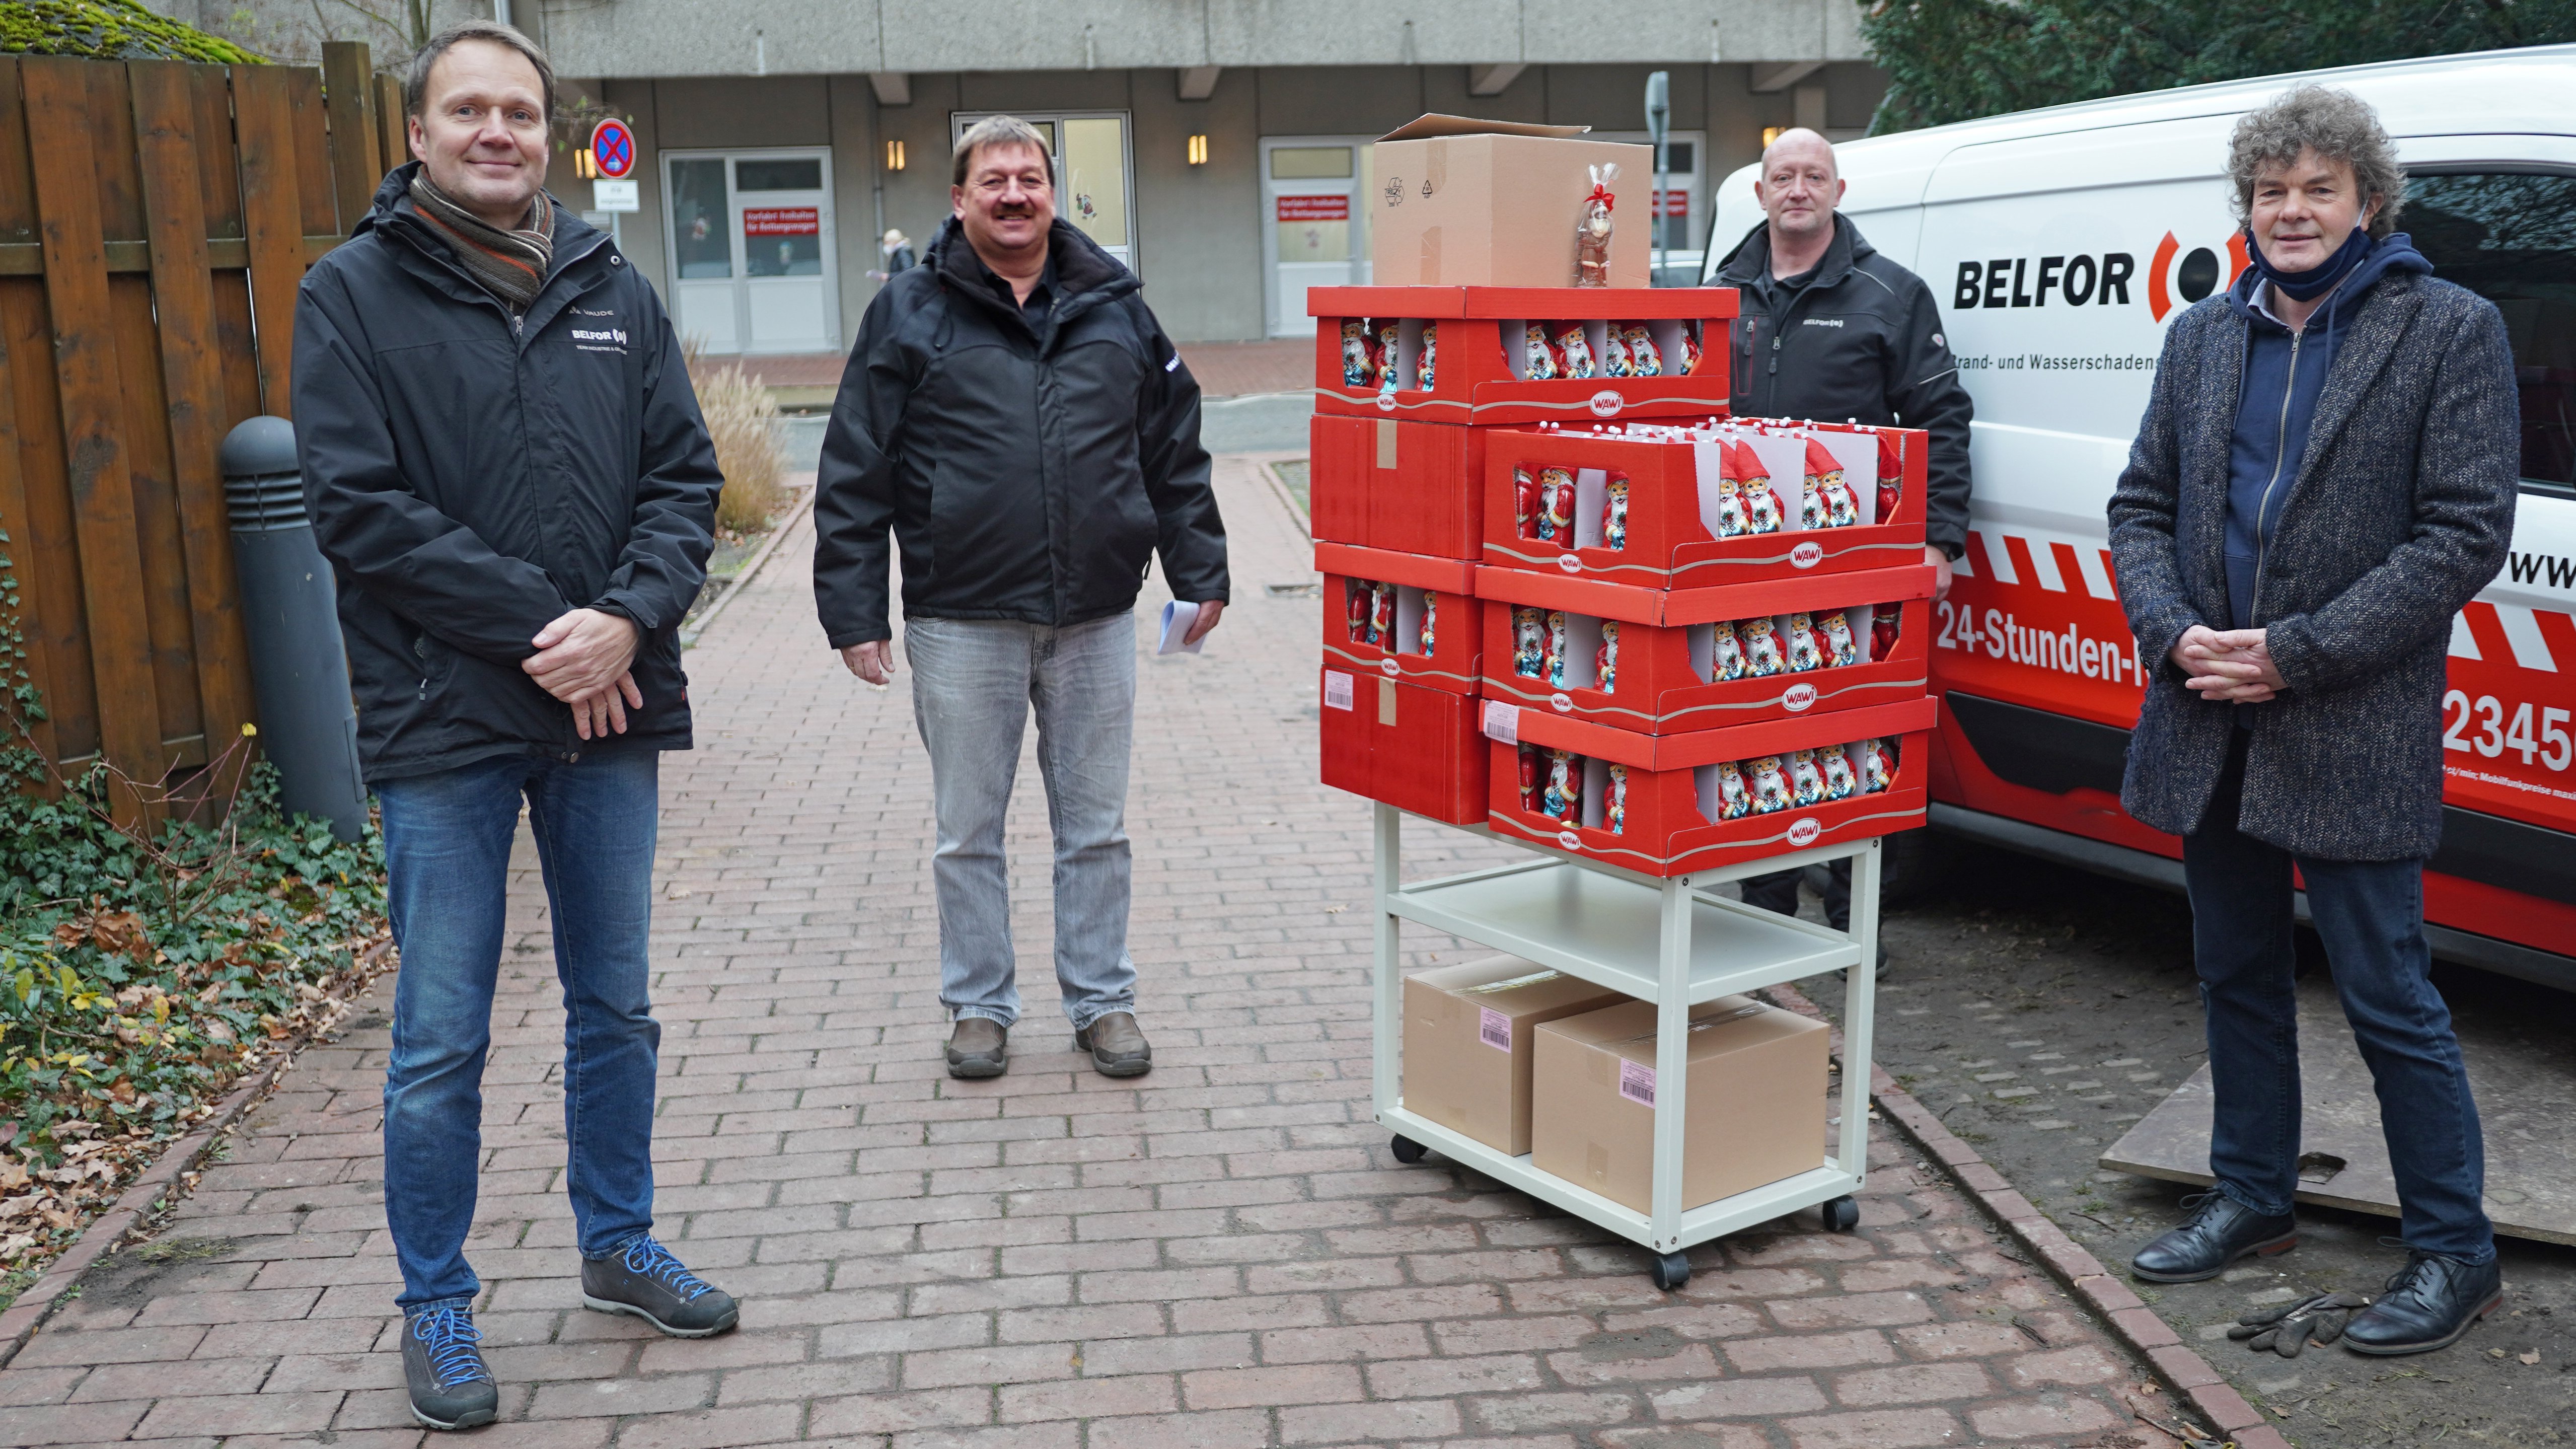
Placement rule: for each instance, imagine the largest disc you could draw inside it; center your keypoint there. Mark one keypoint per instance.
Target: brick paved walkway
(1221, 1254)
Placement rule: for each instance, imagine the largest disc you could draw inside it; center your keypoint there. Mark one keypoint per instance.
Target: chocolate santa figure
(1605, 660)
(1734, 801)
(1834, 631)
(1824, 483)
(1390, 358)
(1804, 653)
(1890, 489)
(1542, 361)
(1644, 360)
(1615, 811)
(1725, 653)
(1761, 506)
(1529, 643)
(1426, 366)
(1556, 648)
(1770, 787)
(1570, 343)
(1564, 797)
(1690, 350)
(1761, 648)
(1382, 617)
(1533, 760)
(1806, 781)
(1524, 503)
(1840, 783)
(1615, 361)
(1556, 506)
(1430, 619)
(1882, 632)
(1614, 514)
(1359, 369)
(1877, 765)
(1730, 502)
(1592, 233)
(1358, 596)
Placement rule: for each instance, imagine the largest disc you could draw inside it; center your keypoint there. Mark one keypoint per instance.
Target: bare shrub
(744, 420)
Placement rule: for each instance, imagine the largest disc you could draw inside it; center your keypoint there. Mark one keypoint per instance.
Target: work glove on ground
(2288, 1329)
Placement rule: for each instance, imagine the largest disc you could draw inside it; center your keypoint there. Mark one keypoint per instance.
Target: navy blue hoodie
(2284, 373)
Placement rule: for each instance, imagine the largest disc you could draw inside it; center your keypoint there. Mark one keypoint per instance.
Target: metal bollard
(298, 663)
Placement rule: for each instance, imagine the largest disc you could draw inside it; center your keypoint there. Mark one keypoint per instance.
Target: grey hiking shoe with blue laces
(451, 1388)
(643, 1278)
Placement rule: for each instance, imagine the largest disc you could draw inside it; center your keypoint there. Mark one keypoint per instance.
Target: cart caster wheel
(1670, 1271)
(1842, 1215)
(1406, 1149)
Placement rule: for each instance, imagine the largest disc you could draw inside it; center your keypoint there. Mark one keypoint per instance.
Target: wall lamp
(1198, 150)
(1769, 135)
(894, 155)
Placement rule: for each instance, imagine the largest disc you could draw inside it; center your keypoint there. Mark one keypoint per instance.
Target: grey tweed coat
(2400, 512)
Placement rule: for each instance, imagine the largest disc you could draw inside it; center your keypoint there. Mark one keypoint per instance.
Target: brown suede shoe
(1117, 1048)
(978, 1047)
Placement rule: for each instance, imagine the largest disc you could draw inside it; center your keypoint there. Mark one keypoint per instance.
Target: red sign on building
(1314, 208)
(781, 221)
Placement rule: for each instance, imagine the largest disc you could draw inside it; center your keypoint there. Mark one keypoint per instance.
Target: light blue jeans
(974, 682)
(447, 860)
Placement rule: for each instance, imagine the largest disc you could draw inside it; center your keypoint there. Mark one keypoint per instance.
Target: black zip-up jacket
(1028, 472)
(473, 476)
(1861, 342)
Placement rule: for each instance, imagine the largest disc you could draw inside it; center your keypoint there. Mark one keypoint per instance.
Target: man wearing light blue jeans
(1016, 418)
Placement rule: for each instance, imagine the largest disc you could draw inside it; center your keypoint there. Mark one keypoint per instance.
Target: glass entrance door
(1314, 232)
(751, 238)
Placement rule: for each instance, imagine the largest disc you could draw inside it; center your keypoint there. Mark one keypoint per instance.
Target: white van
(2059, 243)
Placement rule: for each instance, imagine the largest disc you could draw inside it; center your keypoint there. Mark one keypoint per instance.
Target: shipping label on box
(1467, 1042)
(1753, 1109)
(1674, 508)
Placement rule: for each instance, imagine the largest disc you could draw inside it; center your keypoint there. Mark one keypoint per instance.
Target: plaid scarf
(511, 265)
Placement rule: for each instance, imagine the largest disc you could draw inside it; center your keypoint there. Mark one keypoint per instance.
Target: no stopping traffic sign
(612, 145)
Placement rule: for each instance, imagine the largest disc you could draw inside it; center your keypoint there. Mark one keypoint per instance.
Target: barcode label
(1502, 722)
(1337, 689)
(1494, 1029)
(1637, 1083)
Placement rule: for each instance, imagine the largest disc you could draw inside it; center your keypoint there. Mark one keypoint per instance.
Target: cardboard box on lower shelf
(1468, 1042)
(1754, 1109)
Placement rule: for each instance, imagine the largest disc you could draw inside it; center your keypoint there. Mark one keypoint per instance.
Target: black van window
(2511, 238)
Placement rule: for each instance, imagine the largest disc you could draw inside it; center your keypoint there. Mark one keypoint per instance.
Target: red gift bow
(1608, 202)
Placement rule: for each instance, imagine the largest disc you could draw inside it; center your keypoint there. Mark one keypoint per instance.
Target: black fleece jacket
(1028, 472)
(473, 476)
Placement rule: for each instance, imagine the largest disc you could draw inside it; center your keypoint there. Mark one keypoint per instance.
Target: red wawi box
(1467, 355)
(1665, 507)
(1661, 661)
(1404, 486)
(1668, 805)
(1382, 609)
(1409, 745)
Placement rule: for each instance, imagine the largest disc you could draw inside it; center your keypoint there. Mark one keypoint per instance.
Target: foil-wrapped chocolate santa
(1524, 503)
(1834, 630)
(1643, 358)
(1390, 356)
(1571, 345)
(1882, 632)
(1564, 797)
(1614, 514)
(1725, 653)
(1539, 359)
(1734, 800)
(1605, 660)
(1762, 655)
(1806, 781)
(1592, 233)
(1426, 367)
(1556, 648)
(1770, 786)
(1529, 642)
(1359, 362)
(1804, 651)
(1556, 506)
(1824, 492)
(1877, 765)
(1358, 596)
(1614, 812)
(1840, 783)
(1761, 505)
(1382, 617)
(1533, 763)
(1615, 361)
(1690, 350)
(1429, 631)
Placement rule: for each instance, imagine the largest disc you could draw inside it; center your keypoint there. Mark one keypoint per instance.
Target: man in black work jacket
(1015, 415)
(1831, 331)
(506, 467)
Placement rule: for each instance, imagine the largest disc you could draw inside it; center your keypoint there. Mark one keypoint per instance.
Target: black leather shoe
(978, 1046)
(2221, 1230)
(2428, 1305)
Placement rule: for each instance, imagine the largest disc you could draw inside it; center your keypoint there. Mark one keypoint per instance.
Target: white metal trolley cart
(1669, 941)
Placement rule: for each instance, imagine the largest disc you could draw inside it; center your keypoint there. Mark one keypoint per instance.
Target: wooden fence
(155, 218)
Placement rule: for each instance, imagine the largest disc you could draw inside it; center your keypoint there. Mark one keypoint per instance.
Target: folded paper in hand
(1177, 619)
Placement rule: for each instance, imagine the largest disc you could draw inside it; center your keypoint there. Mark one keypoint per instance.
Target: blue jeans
(974, 682)
(2371, 917)
(447, 855)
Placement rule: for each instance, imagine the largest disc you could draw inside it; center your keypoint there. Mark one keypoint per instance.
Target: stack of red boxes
(1413, 386)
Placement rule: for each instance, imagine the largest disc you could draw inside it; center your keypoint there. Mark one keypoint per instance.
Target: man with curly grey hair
(2324, 476)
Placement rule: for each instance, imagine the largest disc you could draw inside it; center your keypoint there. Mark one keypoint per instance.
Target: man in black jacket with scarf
(506, 467)
(2325, 474)
(1015, 415)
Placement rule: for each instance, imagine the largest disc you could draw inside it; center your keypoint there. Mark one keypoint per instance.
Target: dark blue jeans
(447, 852)
(2371, 917)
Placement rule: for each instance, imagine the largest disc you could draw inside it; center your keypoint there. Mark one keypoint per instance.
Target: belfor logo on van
(2085, 280)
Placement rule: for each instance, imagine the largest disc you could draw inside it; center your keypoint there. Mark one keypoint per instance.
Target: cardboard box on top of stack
(1755, 1103)
(1468, 1042)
